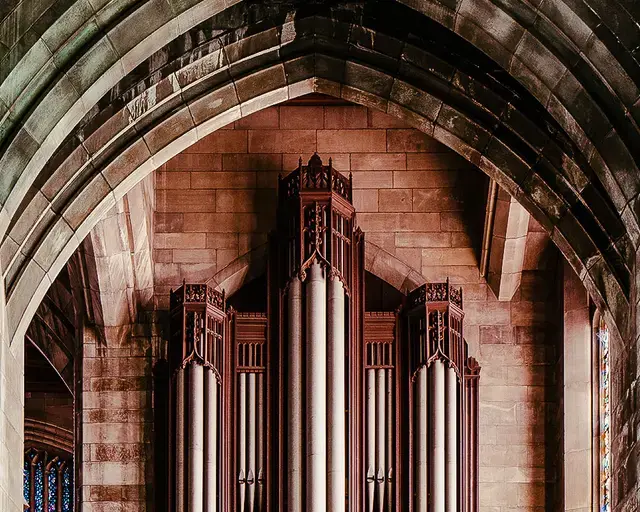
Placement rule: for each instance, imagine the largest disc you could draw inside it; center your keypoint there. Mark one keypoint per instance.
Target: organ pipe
(211, 441)
(179, 440)
(336, 433)
(421, 442)
(451, 412)
(316, 371)
(437, 436)
(294, 397)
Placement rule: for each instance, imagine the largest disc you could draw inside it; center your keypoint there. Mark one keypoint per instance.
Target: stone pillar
(578, 394)
(316, 476)
(336, 429)
(11, 415)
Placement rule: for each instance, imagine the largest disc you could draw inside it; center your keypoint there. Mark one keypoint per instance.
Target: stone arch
(516, 126)
(378, 262)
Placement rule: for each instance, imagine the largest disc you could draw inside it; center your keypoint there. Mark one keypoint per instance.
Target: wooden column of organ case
(315, 404)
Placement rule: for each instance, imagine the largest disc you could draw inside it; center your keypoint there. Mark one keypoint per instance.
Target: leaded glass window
(48, 482)
(605, 417)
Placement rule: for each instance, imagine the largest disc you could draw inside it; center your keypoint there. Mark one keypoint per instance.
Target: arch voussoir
(115, 147)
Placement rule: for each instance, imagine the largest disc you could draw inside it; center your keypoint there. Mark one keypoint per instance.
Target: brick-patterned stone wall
(414, 197)
(117, 421)
(416, 200)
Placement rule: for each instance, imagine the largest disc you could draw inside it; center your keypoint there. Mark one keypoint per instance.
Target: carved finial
(315, 160)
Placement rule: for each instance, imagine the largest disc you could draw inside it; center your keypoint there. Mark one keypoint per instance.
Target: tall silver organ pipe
(293, 482)
(336, 427)
(316, 372)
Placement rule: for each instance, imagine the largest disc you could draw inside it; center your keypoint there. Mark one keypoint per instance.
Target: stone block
(419, 239)
(451, 221)
(194, 256)
(186, 200)
(378, 162)
(347, 117)
(410, 141)
(172, 180)
(365, 200)
(246, 201)
(412, 257)
(425, 179)
(354, 141)
(372, 179)
(401, 222)
(377, 119)
(217, 180)
(263, 119)
(282, 141)
(449, 256)
(437, 200)
(395, 200)
(223, 223)
(194, 162)
(167, 222)
(253, 162)
(180, 240)
(222, 241)
(436, 160)
(221, 141)
(301, 117)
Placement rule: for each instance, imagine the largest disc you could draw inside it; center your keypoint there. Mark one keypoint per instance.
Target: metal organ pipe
(451, 402)
(196, 437)
(390, 441)
(211, 442)
(251, 442)
(316, 367)
(242, 437)
(437, 435)
(421, 441)
(180, 440)
(381, 469)
(260, 443)
(336, 432)
(294, 397)
(370, 408)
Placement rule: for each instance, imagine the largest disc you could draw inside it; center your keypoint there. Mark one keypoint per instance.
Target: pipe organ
(315, 404)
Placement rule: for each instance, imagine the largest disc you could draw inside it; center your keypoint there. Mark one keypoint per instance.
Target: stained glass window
(48, 482)
(66, 490)
(52, 491)
(605, 419)
(26, 474)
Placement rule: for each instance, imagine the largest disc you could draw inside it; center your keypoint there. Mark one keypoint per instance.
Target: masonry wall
(416, 200)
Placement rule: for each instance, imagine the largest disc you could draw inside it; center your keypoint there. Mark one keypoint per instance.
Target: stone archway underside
(544, 134)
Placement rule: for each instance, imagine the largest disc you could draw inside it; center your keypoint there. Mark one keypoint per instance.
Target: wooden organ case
(314, 404)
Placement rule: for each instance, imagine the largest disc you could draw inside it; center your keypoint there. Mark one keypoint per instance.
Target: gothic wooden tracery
(316, 404)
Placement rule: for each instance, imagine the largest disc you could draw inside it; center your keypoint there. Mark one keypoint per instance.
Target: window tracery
(605, 416)
(47, 482)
